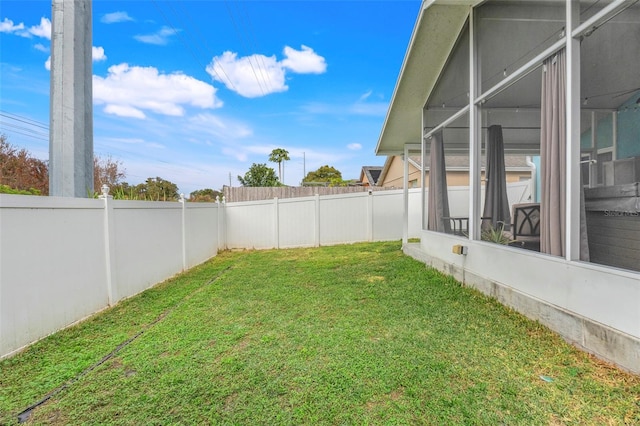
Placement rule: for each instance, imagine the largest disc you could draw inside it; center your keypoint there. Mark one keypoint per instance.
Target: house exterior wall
(395, 173)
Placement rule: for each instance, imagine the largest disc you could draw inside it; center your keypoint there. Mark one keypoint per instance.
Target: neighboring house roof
(371, 173)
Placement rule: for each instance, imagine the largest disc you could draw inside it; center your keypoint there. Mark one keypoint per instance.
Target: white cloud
(124, 111)
(144, 144)
(354, 146)
(97, 54)
(7, 26)
(304, 61)
(365, 96)
(369, 108)
(159, 38)
(364, 106)
(42, 30)
(129, 91)
(259, 75)
(359, 107)
(249, 76)
(115, 17)
(235, 153)
(41, 47)
(225, 129)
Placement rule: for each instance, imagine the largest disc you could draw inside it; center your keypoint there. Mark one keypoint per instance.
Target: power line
(29, 135)
(27, 131)
(24, 120)
(252, 41)
(239, 33)
(187, 45)
(202, 40)
(24, 126)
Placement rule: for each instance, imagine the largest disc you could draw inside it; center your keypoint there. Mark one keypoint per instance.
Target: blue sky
(197, 91)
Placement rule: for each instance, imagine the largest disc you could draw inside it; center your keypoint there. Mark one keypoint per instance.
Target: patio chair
(526, 226)
(459, 225)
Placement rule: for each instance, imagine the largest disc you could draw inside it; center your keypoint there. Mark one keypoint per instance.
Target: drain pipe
(534, 178)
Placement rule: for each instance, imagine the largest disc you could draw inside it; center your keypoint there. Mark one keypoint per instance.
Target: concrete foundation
(598, 339)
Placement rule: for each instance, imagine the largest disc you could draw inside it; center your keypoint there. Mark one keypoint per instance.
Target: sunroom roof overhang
(434, 36)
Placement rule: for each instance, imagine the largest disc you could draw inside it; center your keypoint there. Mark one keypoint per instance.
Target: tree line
(22, 173)
(261, 175)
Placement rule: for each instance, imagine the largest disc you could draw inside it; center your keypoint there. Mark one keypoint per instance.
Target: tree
(157, 189)
(21, 171)
(259, 175)
(206, 195)
(279, 155)
(326, 174)
(107, 171)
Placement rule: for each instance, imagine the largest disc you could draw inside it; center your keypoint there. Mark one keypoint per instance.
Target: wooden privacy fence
(242, 193)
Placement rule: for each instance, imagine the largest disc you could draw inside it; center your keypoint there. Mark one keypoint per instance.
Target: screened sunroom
(558, 82)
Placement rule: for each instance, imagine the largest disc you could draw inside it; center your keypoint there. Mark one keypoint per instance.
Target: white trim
(572, 160)
(405, 196)
(423, 158)
(475, 134)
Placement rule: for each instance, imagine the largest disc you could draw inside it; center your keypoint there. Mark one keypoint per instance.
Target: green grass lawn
(354, 334)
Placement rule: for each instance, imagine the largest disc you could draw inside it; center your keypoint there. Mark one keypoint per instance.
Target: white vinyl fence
(63, 259)
(320, 220)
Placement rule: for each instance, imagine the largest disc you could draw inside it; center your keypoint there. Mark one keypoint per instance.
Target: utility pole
(71, 100)
(229, 179)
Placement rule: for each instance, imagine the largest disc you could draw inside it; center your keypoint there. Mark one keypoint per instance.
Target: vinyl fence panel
(201, 232)
(250, 225)
(343, 219)
(297, 222)
(388, 215)
(148, 244)
(52, 266)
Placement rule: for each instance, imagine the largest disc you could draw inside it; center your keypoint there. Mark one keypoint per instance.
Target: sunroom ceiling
(433, 38)
(609, 72)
